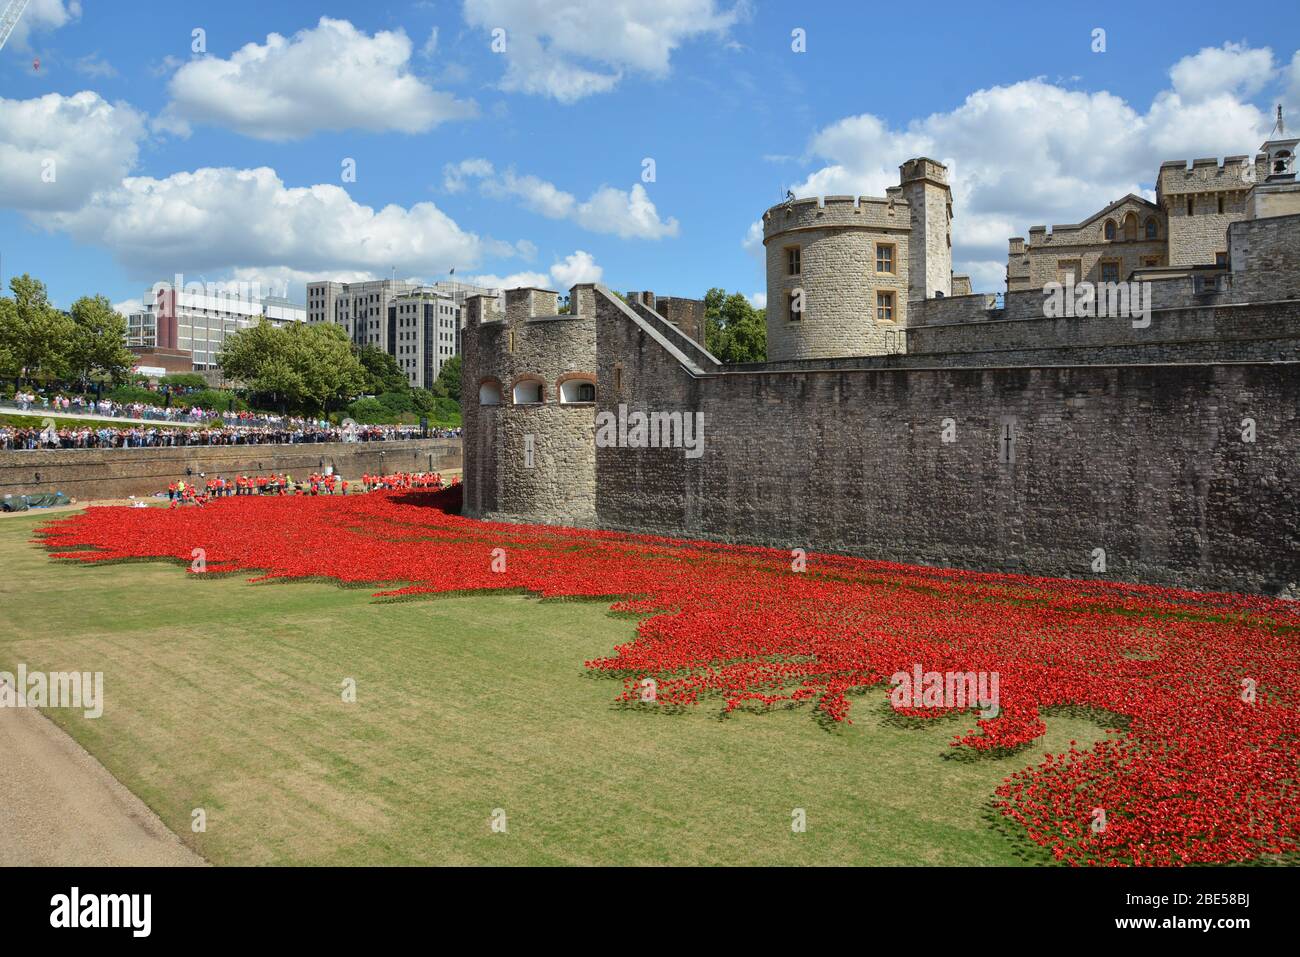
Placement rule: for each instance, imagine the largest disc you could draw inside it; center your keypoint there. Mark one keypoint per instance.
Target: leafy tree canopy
(383, 374)
(309, 367)
(34, 336)
(734, 330)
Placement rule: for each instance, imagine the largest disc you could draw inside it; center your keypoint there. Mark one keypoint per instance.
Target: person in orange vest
(171, 492)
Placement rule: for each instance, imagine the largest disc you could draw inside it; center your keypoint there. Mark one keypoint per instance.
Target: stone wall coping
(651, 331)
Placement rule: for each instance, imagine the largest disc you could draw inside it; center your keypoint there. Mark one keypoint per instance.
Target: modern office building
(196, 323)
(418, 325)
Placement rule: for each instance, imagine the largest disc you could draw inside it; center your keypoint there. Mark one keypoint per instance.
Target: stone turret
(925, 185)
(837, 276)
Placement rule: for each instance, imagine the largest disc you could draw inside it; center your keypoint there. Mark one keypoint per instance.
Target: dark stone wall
(1145, 461)
(1202, 333)
(529, 342)
(86, 474)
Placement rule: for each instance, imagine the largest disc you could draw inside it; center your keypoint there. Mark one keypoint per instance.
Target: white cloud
(570, 49)
(758, 300)
(330, 77)
(1291, 96)
(985, 275)
(1232, 68)
(212, 220)
(93, 65)
(1033, 152)
(128, 306)
(629, 214)
(56, 150)
(430, 45)
(456, 175)
(578, 267)
(42, 16)
(537, 194)
(516, 280)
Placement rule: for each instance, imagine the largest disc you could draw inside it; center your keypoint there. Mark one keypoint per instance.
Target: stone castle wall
(529, 342)
(1146, 462)
(1071, 435)
(1198, 238)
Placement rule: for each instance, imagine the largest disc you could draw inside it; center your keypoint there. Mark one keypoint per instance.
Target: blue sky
(526, 164)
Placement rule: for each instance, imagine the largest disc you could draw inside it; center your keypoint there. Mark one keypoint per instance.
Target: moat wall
(1147, 462)
(86, 474)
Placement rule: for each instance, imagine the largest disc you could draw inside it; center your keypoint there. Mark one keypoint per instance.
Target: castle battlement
(822, 212)
(527, 303)
(922, 167)
(1208, 174)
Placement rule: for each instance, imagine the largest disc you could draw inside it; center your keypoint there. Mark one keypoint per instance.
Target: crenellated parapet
(818, 212)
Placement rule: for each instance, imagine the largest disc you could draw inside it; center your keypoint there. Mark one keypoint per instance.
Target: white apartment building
(419, 326)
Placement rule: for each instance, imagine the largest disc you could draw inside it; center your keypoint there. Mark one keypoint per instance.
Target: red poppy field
(1202, 690)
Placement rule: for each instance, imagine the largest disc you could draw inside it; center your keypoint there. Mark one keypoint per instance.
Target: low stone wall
(1174, 328)
(117, 473)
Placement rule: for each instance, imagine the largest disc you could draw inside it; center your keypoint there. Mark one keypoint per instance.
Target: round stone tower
(837, 276)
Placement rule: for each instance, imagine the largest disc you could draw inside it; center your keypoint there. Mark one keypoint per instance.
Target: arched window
(528, 392)
(1152, 228)
(1110, 229)
(1131, 227)
(489, 392)
(577, 390)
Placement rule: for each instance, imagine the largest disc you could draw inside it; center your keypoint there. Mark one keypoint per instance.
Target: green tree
(184, 380)
(448, 383)
(308, 367)
(98, 341)
(34, 336)
(383, 374)
(423, 401)
(734, 330)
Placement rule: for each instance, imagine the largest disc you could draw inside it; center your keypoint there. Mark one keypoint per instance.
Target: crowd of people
(111, 409)
(402, 481)
(181, 492)
(29, 438)
(29, 402)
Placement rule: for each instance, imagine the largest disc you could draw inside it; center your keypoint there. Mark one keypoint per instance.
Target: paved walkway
(94, 417)
(60, 807)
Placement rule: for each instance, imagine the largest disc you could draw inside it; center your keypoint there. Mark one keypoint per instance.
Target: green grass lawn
(227, 696)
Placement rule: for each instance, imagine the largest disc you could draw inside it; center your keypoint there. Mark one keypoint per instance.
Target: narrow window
(793, 262)
(1220, 205)
(1110, 272)
(1110, 229)
(1220, 259)
(1190, 207)
(1007, 440)
(1153, 229)
(884, 306)
(794, 305)
(884, 257)
(618, 377)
